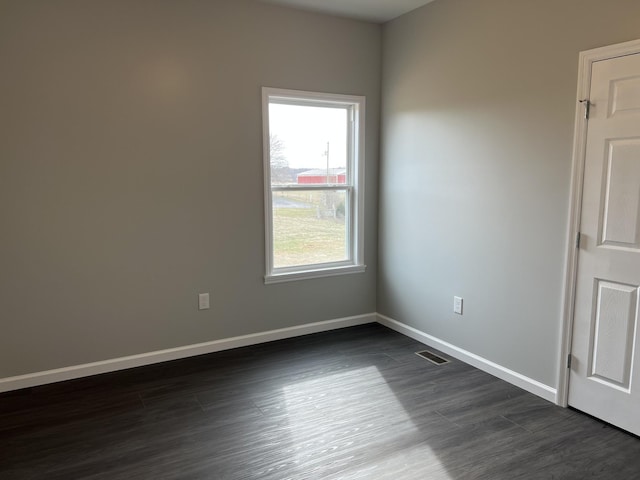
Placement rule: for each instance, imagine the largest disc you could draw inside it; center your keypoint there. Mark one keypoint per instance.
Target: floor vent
(432, 357)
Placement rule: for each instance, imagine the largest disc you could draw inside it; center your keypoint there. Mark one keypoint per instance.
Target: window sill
(308, 274)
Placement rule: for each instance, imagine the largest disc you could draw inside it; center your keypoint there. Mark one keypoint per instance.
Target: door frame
(587, 58)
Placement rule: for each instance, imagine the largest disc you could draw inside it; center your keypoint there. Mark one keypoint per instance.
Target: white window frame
(354, 191)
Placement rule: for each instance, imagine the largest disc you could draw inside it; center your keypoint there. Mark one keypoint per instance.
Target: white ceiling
(378, 11)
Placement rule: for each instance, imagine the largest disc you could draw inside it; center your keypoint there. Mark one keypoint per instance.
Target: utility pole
(326, 153)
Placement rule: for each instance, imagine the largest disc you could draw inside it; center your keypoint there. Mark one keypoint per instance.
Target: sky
(305, 132)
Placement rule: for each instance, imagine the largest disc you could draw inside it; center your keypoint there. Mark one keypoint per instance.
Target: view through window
(313, 175)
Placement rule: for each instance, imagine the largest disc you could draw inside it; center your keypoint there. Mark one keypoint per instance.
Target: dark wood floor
(353, 404)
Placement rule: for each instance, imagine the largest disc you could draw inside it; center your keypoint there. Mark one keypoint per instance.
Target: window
(314, 174)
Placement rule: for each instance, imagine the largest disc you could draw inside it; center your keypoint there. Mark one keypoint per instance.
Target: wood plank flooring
(355, 403)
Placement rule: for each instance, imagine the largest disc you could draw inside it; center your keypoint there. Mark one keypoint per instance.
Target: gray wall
(478, 110)
(131, 172)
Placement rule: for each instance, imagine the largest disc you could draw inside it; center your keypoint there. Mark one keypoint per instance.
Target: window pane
(308, 145)
(309, 227)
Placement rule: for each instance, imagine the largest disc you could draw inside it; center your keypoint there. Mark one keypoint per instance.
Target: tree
(280, 172)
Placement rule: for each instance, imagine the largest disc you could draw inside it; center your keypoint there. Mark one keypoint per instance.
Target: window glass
(313, 184)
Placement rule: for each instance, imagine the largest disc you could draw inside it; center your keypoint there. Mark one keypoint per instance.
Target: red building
(323, 176)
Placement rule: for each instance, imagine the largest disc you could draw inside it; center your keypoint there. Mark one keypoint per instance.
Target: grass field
(300, 237)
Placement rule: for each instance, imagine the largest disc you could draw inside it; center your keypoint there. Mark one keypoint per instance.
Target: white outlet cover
(203, 301)
(457, 305)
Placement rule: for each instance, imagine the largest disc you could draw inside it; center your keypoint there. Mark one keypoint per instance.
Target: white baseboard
(515, 378)
(112, 365)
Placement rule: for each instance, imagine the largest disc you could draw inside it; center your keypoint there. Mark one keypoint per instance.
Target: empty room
(319, 239)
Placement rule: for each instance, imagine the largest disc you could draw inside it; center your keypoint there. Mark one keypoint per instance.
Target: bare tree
(280, 172)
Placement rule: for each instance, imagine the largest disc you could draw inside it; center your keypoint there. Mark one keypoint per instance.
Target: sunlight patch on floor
(332, 439)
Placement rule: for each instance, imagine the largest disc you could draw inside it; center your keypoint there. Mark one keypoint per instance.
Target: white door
(605, 371)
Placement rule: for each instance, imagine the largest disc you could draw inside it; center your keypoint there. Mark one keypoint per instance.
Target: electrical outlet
(203, 301)
(457, 305)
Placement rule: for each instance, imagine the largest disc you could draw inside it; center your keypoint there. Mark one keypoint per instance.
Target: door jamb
(587, 58)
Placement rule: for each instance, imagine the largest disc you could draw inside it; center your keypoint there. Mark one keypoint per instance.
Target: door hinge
(569, 361)
(578, 237)
(587, 106)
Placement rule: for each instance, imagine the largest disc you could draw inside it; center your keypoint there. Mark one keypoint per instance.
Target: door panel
(614, 327)
(605, 374)
(625, 95)
(621, 215)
